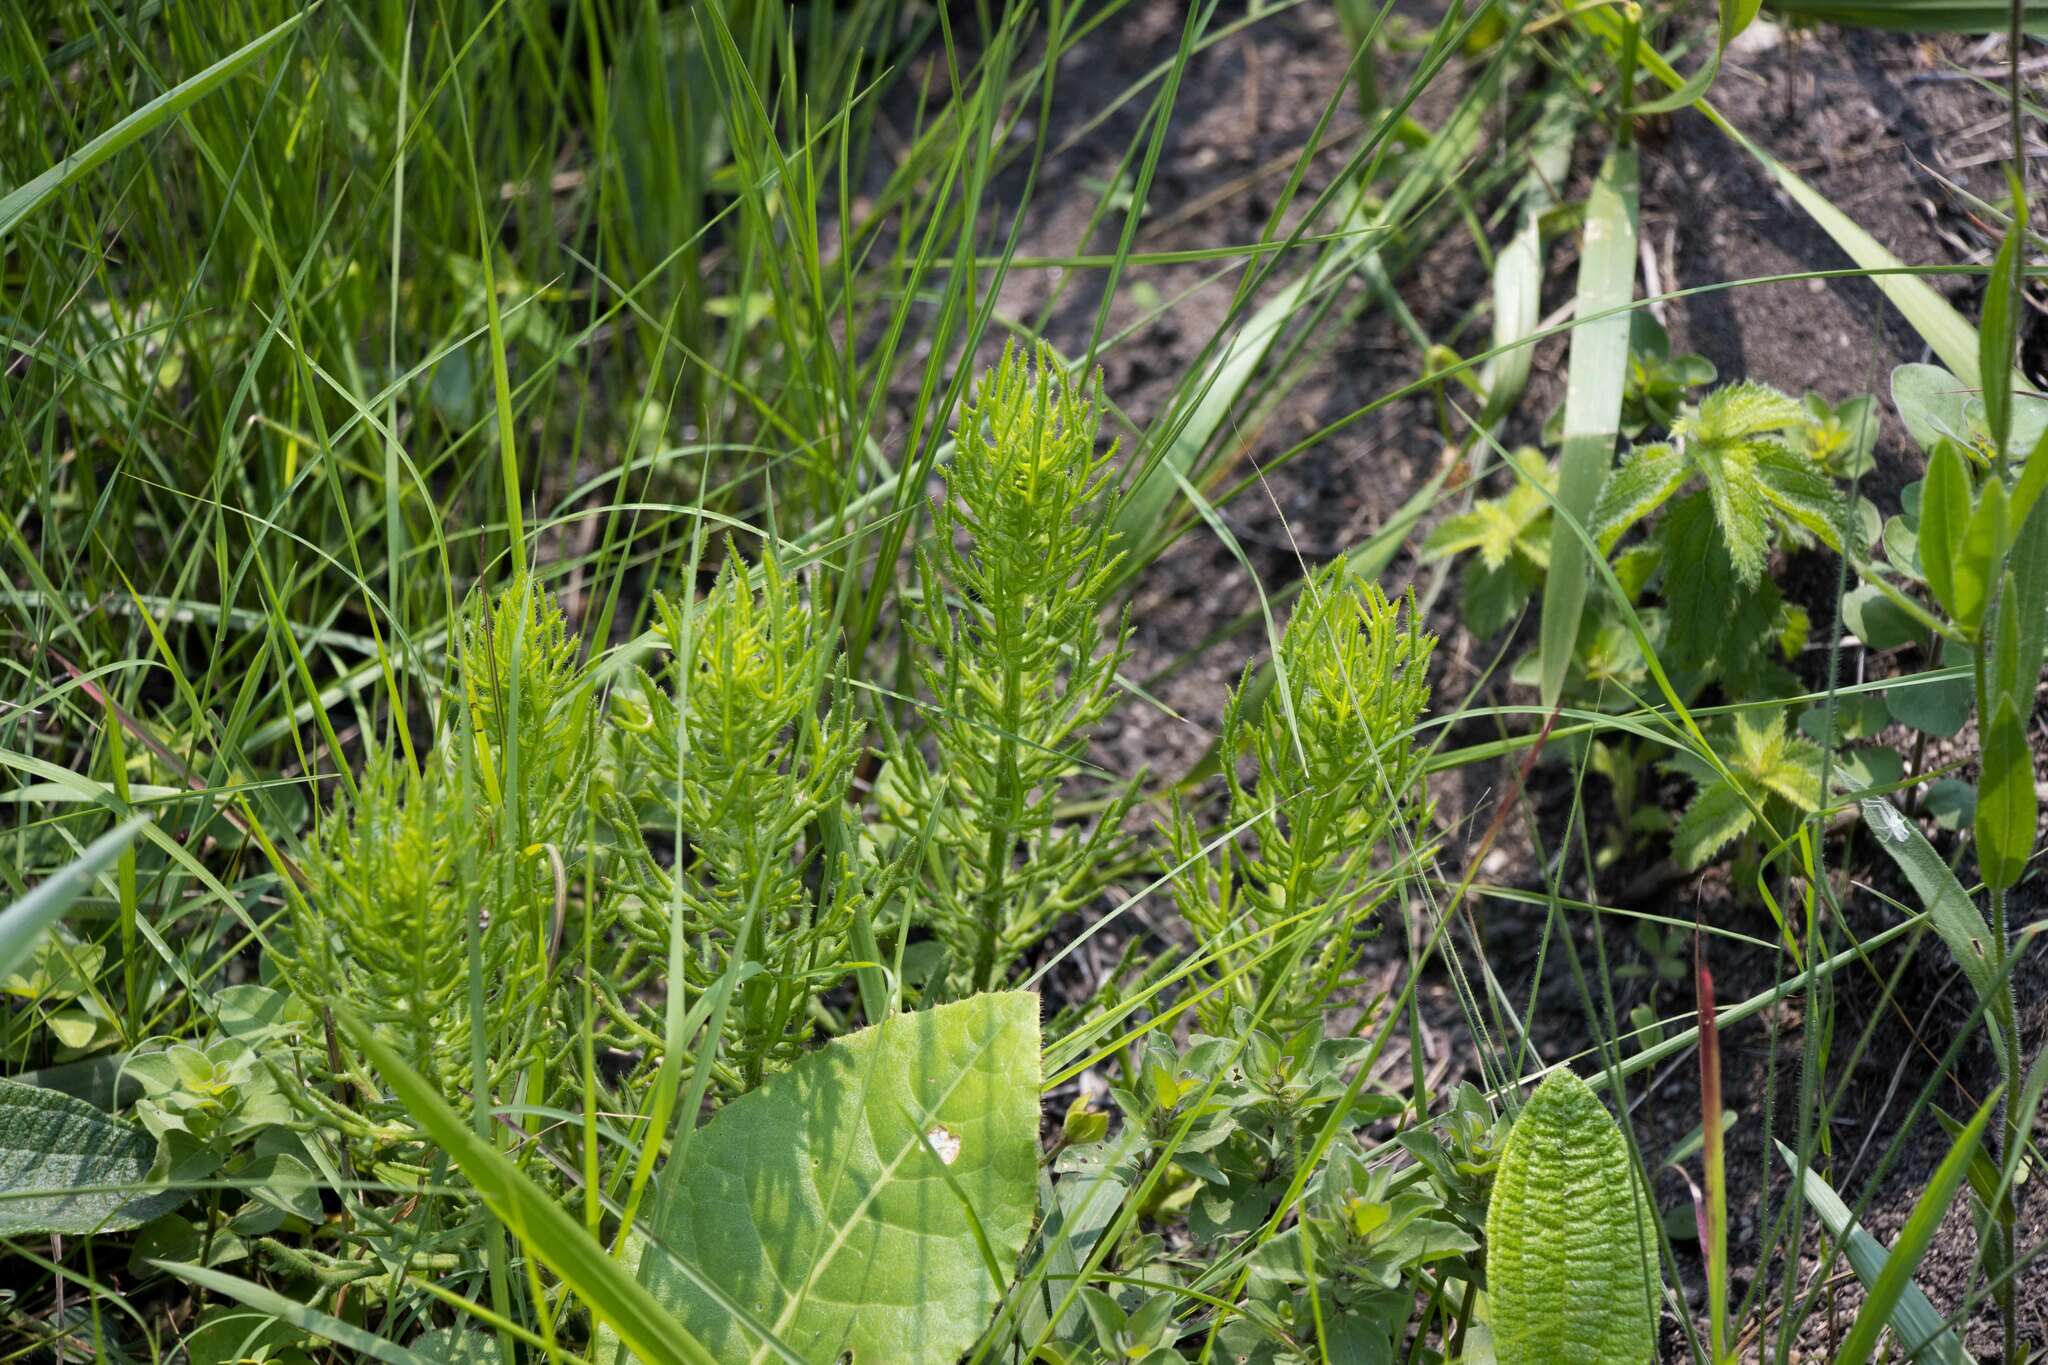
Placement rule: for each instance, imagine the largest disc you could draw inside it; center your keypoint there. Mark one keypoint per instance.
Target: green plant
(1571, 1244)
(868, 1203)
(1011, 650)
(742, 766)
(1321, 774)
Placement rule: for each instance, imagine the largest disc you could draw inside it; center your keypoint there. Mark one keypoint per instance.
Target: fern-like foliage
(1319, 773)
(1758, 486)
(529, 713)
(1009, 646)
(732, 735)
(382, 926)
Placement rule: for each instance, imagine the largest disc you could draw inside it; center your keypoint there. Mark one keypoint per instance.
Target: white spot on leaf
(1889, 822)
(942, 1141)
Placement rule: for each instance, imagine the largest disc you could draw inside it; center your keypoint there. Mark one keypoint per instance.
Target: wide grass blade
(1592, 403)
(1913, 1318)
(23, 922)
(1914, 16)
(1949, 908)
(306, 1318)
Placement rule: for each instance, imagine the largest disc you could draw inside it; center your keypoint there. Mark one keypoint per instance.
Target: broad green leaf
(1914, 1319)
(1571, 1253)
(1889, 1288)
(1949, 908)
(1597, 371)
(2006, 805)
(1944, 521)
(23, 923)
(67, 1168)
(31, 195)
(540, 1222)
(854, 1203)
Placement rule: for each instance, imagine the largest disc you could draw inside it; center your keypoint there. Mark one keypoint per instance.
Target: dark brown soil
(1875, 123)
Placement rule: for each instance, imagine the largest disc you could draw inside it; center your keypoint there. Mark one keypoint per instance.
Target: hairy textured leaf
(1570, 1251)
(854, 1201)
(63, 1164)
(1715, 816)
(1645, 482)
(1949, 908)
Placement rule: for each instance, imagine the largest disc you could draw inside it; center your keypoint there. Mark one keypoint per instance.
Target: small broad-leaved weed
(1771, 776)
(1321, 771)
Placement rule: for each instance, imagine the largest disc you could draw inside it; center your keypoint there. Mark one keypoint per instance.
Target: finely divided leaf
(855, 1201)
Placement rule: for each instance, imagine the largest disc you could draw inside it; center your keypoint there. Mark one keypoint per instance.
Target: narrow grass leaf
(1949, 908)
(302, 1316)
(542, 1225)
(23, 922)
(18, 203)
(1888, 1290)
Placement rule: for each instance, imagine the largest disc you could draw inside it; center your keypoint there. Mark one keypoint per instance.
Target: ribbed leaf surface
(1570, 1251)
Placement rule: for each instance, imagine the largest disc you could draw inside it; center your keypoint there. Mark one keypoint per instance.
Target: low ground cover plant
(581, 626)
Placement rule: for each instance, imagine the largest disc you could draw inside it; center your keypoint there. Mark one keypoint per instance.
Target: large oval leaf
(67, 1168)
(863, 1204)
(1570, 1251)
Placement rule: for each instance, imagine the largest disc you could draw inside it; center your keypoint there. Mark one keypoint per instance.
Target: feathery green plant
(1319, 774)
(742, 765)
(1008, 641)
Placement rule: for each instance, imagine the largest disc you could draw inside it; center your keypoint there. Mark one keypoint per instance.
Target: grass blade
(23, 922)
(1949, 908)
(1592, 402)
(546, 1229)
(26, 198)
(1914, 1319)
(364, 1343)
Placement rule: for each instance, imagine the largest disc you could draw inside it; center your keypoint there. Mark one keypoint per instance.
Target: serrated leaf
(849, 1200)
(1716, 816)
(1571, 1253)
(1644, 482)
(64, 1166)
(1802, 492)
